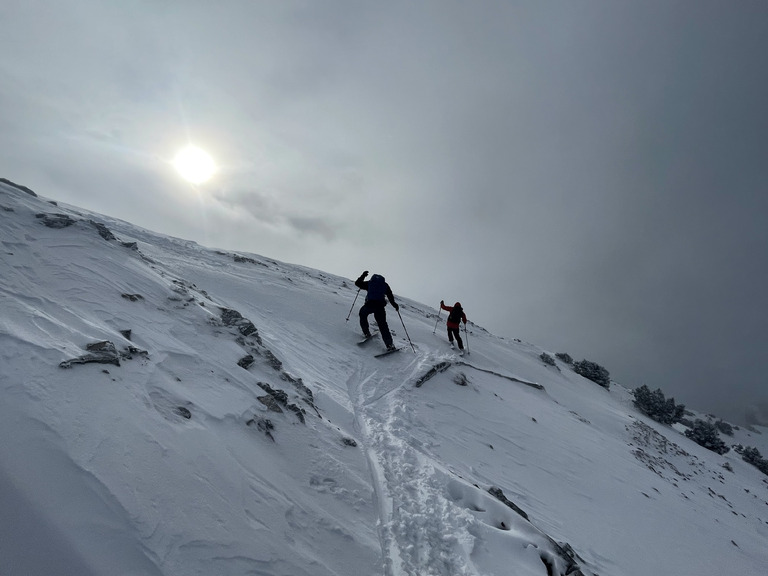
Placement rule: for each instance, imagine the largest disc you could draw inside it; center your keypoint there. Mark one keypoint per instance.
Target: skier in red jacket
(455, 317)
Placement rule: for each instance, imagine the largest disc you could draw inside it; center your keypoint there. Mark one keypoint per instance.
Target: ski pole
(406, 332)
(353, 305)
(438, 319)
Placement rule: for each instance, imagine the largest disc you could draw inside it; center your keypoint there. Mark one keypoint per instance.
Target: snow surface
(102, 472)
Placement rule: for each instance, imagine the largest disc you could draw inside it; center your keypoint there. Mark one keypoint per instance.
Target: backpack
(377, 288)
(455, 315)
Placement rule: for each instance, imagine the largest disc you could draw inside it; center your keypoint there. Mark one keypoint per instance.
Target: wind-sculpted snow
(237, 429)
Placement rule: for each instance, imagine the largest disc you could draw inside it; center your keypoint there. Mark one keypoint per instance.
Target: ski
(371, 337)
(387, 352)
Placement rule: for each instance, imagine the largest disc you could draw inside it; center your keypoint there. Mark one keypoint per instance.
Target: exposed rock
(242, 259)
(104, 232)
(99, 352)
(569, 556)
(348, 442)
(461, 379)
(131, 351)
(244, 326)
(273, 361)
(56, 220)
(499, 495)
(183, 412)
(133, 297)
(271, 403)
(104, 352)
(126, 334)
(130, 245)
(264, 425)
(564, 551)
(305, 392)
(282, 399)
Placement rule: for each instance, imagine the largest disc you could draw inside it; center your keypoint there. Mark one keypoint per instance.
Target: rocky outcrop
(233, 318)
(566, 561)
(281, 398)
(499, 495)
(133, 297)
(103, 231)
(246, 328)
(59, 220)
(103, 352)
(264, 425)
(56, 220)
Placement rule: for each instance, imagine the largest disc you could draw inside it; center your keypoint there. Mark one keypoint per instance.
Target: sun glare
(194, 164)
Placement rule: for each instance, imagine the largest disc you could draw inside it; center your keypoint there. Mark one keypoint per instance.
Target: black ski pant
(454, 333)
(376, 307)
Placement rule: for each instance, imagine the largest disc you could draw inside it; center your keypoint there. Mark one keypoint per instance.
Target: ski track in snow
(418, 523)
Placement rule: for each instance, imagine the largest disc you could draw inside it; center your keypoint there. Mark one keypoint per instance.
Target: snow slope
(239, 430)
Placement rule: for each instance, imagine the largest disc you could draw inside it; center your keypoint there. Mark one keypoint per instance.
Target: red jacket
(450, 309)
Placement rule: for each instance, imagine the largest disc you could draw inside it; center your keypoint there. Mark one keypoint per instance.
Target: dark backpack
(377, 288)
(455, 315)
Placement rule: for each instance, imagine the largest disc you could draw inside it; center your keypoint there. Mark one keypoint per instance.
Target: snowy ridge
(232, 426)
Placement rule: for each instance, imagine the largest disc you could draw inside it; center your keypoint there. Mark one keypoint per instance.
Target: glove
(395, 306)
(442, 303)
(364, 274)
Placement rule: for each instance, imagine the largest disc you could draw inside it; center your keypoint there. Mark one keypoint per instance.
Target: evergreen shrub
(593, 371)
(656, 406)
(547, 359)
(705, 434)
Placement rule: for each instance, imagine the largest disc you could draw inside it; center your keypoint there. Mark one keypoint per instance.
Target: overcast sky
(591, 177)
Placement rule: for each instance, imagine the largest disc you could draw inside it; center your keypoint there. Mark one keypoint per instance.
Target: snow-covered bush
(593, 371)
(547, 359)
(724, 427)
(656, 406)
(705, 434)
(563, 357)
(753, 456)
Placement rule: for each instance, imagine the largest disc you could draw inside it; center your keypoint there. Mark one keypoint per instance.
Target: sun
(194, 164)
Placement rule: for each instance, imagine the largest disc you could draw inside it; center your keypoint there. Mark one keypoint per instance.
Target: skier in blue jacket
(375, 302)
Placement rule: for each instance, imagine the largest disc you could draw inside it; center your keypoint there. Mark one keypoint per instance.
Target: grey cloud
(270, 210)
